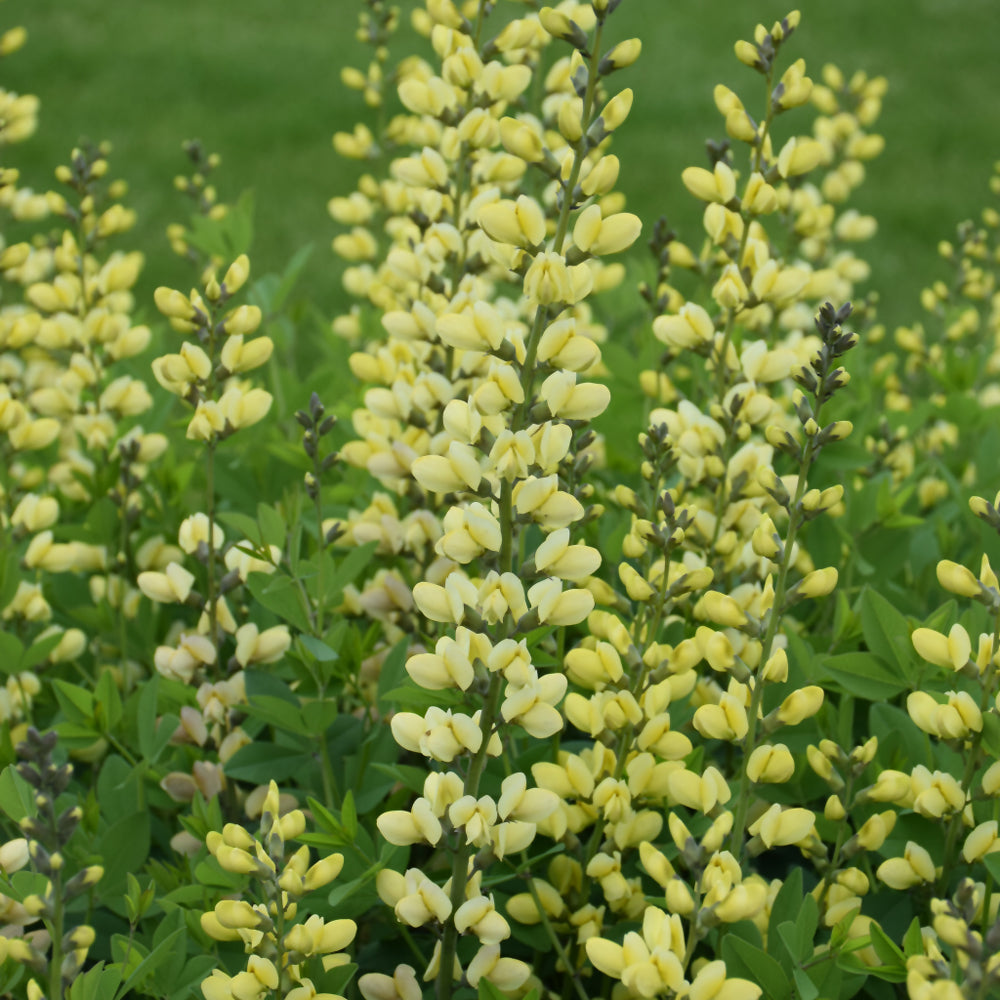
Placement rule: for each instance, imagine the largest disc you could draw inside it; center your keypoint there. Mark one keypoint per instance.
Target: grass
(258, 81)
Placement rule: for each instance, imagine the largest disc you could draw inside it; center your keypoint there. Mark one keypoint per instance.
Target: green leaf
(194, 973)
(844, 620)
(349, 815)
(76, 702)
(165, 729)
(17, 799)
(487, 991)
(339, 977)
(260, 762)
(407, 775)
(210, 874)
(175, 947)
(275, 712)
(278, 593)
(124, 847)
(74, 736)
(393, 674)
(272, 525)
(864, 675)
(261, 682)
(341, 893)
(808, 923)
(319, 715)
(991, 734)
(11, 652)
(901, 744)
(243, 524)
(350, 568)
(10, 577)
(291, 275)
(992, 862)
(239, 220)
(807, 989)
(152, 961)
(413, 698)
(98, 983)
(746, 961)
(913, 942)
(39, 651)
(318, 649)
(117, 789)
(788, 902)
(887, 949)
(127, 955)
(323, 818)
(886, 632)
(108, 711)
(145, 716)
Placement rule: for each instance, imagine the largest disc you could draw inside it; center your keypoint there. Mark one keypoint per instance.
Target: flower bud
(800, 705)
(958, 579)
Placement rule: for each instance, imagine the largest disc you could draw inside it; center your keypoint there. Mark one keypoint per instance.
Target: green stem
(123, 566)
(721, 371)
(721, 492)
(330, 793)
(562, 225)
(458, 262)
(460, 860)
(988, 891)
(773, 624)
(210, 544)
(693, 937)
(506, 526)
(277, 907)
(404, 933)
(973, 758)
(557, 945)
(320, 619)
(485, 7)
(843, 827)
(56, 958)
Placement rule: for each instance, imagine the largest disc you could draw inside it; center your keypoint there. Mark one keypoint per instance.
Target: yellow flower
(773, 764)
(958, 579)
(725, 721)
(779, 828)
(401, 985)
(712, 983)
(170, 587)
(914, 868)
(800, 705)
(718, 185)
(548, 280)
(952, 651)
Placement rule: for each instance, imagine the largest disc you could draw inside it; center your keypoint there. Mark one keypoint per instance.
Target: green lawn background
(258, 81)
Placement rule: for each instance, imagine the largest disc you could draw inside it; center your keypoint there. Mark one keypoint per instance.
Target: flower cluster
(481, 412)
(281, 947)
(60, 393)
(56, 954)
(570, 714)
(207, 374)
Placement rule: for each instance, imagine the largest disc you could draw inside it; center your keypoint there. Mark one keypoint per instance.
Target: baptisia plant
(68, 407)
(485, 413)
(208, 373)
(283, 945)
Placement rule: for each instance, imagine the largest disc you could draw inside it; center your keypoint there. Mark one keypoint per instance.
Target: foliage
(589, 654)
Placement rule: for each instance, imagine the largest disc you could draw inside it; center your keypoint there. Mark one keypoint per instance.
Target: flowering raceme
(488, 396)
(278, 943)
(683, 721)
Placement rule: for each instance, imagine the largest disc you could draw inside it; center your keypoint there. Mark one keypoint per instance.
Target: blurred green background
(258, 82)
